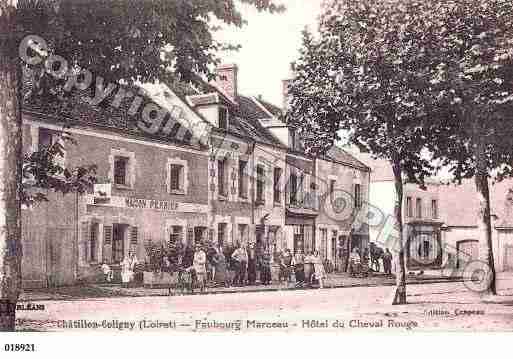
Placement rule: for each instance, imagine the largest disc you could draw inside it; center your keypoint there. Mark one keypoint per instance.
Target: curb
(256, 290)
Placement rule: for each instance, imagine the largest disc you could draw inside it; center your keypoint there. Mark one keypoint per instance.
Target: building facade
(420, 214)
(247, 184)
(460, 232)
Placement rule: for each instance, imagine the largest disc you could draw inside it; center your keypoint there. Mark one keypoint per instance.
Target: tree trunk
(484, 227)
(10, 172)
(400, 290)
(484, 222)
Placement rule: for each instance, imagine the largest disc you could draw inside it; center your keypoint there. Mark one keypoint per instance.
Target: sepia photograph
(194, 167)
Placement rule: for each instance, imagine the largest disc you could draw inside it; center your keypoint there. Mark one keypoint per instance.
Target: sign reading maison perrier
(160, 205)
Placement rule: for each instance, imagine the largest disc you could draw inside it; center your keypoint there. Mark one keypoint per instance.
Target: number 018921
(19, 347)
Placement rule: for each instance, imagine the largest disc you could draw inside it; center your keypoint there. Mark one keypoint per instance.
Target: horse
(376, 253)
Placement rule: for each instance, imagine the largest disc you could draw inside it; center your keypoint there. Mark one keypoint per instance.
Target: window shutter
(107, 244)
(133, 235)
(86, 232)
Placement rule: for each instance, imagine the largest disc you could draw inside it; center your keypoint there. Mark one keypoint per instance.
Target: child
(107, 272)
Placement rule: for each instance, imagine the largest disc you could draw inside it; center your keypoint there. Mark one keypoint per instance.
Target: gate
(48, 256)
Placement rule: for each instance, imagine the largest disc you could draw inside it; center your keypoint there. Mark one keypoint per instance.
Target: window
(176, 234)
(93, 242)
(357, 196)
(419, 207)
(120, 170)
(243, 179)
(176, 178)
(221, 234)
(277, 185)
(243, 233)
(409, 207)
(434, 209)
(293, 188)
(177, 172)
(332, 190)
(45, 138)
(324, 244)
(301, 189)
(260, 185)
(223, 118)
(221, 177)
(334, 236)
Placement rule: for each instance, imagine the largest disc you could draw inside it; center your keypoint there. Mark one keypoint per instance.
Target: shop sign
(161, 205)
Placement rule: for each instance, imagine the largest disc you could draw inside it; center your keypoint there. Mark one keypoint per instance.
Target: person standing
(355, 262)
(387, 262)
(240, 256)
(125, 272)
(285, 265)
(265, 274)
(252, 264)
(319, 272)
(299, 268)
(309, 268)
(220, 273)
(199, 262)
(133, 262)
(188, 257)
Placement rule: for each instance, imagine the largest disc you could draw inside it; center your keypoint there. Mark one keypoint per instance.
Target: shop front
(112, 230)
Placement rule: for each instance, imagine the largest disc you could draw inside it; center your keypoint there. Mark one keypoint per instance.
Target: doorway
(118, 242)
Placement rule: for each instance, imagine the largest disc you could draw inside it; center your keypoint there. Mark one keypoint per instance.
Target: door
(118, 242)
(468, 250)
(299, 239)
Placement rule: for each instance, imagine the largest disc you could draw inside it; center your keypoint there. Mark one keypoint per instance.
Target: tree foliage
(472, 82)
(129, 40)
(365, 75)
(44, 170)
(121, 41)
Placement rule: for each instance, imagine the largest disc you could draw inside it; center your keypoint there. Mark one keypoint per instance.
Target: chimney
(226, 80)
(285, 86)
(285, 92)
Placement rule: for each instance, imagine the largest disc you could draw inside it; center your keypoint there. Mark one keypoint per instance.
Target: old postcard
(279, 166)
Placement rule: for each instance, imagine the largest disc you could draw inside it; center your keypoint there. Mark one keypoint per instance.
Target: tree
(121, 41)
(365, 75)
(471, 76)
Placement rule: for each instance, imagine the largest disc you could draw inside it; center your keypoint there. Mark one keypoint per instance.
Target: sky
(269, 44)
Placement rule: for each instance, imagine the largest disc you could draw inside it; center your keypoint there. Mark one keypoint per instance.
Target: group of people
(127, 269)
(252, 265)
(307, 268)
(215, 263)
(359, 263)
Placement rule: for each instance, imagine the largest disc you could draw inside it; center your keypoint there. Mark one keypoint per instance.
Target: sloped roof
(381, 169)
(275, 110)
(459, 204)
(245, 114)
(76, 110)
(339, 155)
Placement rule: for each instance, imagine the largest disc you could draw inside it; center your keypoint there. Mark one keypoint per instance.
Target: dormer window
(223, 118)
